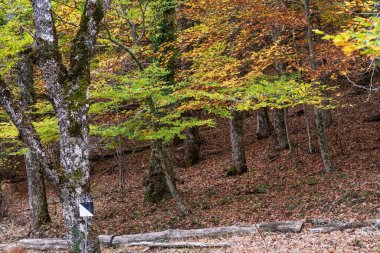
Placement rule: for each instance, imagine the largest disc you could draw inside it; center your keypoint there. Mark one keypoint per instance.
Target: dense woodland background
(186, 114)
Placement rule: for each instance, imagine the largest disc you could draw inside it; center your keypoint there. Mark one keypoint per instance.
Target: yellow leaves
(349, 48)
(341, 39)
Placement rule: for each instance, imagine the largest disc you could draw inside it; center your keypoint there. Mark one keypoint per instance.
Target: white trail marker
(86, 209)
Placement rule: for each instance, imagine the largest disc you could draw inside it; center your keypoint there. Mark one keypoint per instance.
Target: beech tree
(38, 206)
(264, 127)
(67, 88)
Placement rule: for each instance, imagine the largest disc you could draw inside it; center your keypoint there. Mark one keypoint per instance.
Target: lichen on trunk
(38, 206)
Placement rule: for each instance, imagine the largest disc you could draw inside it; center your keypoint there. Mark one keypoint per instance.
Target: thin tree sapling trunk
(308, 130)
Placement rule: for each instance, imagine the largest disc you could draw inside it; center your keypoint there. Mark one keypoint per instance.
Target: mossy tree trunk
(156, 187)
(161, 177)
(67, 89)
(38, 206)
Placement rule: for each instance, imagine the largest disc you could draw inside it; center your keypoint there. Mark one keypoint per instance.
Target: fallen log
(179, 245)
(373, 118)
(290, 226)
(339, 226)
(154, 238)
(6, 247)
(283, 227)
(43, 244)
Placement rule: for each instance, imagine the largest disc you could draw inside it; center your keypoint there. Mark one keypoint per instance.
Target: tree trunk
(308, 130)
(70, 197)
(25, 80)
(192, 146)
(156, 188)
(38, 206)
(327, 117)
(280, 130)
(239, 165)
(167, 168)
(264, 127)
(293, 151)
(317, 112)
(323, 141)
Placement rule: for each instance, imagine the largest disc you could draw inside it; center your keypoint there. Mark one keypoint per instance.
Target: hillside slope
(273, 189)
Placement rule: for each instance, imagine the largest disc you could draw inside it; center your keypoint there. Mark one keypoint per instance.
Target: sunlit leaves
(14, 32)
(365, 37)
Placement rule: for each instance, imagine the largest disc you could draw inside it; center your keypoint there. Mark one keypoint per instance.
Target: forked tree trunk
(192, 146)
(280, 130)
(239, 165)
(38, 206)
(264, 127)
(167, 167)
(156, 186)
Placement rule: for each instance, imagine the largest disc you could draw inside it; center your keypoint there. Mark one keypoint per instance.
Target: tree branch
(127, 49)
(27, 131)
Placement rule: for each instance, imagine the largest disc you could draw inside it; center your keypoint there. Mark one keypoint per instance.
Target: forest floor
(272, 190)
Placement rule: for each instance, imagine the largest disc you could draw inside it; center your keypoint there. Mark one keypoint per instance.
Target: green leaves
(15, 18)
(159, 111)
(364, 36)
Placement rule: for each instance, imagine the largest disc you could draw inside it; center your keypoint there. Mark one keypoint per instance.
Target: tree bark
(156, 188)
(167, 168)
(239, 165)
(308, 130)
(68, 92)
(280, 130)
(327, 117)
(38, 206)
(323, 141)
(317, 112)
(192, 146)
(264, 127)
